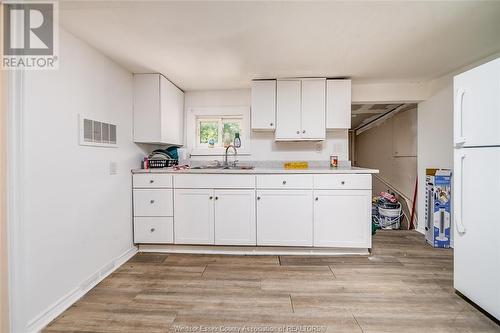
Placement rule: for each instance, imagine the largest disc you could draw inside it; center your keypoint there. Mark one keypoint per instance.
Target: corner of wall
(39, 323)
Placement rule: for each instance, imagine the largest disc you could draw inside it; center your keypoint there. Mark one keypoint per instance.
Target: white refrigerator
(476, 186)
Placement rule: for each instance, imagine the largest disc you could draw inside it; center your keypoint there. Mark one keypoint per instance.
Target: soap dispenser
(237, 140)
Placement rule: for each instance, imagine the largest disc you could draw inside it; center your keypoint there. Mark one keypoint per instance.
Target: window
(215, 132)
(206, 128)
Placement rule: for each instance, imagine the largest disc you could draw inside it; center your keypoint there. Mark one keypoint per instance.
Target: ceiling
(225, 44)
(362, 114)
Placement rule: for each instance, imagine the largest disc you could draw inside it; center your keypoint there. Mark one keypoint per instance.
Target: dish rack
(161, 163)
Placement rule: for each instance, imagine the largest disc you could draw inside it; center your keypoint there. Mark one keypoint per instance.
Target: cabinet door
(342, 218)
(172, 112)
(147, 108)
(284, 217)
(194, 216)
(288, 95)
(264, 105)
(235, 217)
(313, 109)
(338, 104)
(477, 106)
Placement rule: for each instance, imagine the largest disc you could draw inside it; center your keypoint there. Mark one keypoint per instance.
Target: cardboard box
(438, 207)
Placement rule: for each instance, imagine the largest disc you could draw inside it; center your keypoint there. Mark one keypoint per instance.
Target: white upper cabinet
(338, 104)
(158, 110)
(313, 109)
(288, 122)
(263, 105)
(300, 109)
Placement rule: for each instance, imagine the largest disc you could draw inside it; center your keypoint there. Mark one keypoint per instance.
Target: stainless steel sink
(224, 167)
(208, 167)
(239, 167)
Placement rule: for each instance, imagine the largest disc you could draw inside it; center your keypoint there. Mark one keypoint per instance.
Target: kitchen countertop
(263, 170)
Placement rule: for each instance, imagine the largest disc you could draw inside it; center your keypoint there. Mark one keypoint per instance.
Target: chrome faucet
(235, 154)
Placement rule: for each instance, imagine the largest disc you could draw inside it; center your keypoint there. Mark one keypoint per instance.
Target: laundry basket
(389, 215)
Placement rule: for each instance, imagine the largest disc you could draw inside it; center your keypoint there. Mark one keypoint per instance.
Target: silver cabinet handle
(216, 198)
(303, 131)
(284, 182)
(152, 201)
(258, 198)
(210, 197)
(271, 124)
(298, 132)
(316, 199)
(151, 181)
(342, 182)
(153, 229)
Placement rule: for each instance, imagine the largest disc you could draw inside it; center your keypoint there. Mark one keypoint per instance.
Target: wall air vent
(97, 133)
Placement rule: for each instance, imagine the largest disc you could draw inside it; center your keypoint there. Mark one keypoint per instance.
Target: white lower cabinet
(154, 229)
(341, 218)
(284, 217)
(320, 210)
(235, 217)
(194, 216)
(153, 202)
(220, 217)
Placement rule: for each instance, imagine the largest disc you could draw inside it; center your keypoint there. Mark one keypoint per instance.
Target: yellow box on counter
(296, 165)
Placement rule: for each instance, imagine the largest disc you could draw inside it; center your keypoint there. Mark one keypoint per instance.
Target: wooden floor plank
(404, 286)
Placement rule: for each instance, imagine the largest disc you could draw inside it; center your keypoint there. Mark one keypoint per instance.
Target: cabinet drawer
(214, 181)
(153, 230)
(285, 181)
(149, 180)
(343, 182)
(153, 202)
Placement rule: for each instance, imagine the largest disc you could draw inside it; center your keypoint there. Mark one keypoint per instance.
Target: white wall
(263, 147)
(435, 129)
(391, 147)
(435, 138)
(77, 216)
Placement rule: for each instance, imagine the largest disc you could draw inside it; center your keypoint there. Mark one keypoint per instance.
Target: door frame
(13, 226)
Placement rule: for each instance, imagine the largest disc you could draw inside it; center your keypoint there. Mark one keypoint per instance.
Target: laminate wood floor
(404, 286)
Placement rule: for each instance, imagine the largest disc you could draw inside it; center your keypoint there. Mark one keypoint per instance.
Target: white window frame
(218, 114)
(220, 129)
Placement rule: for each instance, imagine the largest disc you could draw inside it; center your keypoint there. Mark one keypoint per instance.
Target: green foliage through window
(209, 130)
(231, 127)
(221, 130)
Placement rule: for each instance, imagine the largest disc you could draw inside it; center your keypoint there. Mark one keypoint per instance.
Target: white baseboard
(42, 320)
(251, 250)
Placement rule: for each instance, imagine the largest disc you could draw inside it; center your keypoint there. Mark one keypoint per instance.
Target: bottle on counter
(237, 140)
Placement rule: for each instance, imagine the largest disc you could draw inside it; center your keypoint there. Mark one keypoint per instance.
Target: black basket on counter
(161, 163)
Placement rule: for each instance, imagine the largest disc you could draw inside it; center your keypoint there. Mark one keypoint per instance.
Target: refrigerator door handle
(458, 191)
(460, 139)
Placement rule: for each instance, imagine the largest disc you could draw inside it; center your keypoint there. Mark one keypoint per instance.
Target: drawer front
(214, 181)
(285, 181)
(158, 230)
(150, 180)
(153, 202)
(343, 182)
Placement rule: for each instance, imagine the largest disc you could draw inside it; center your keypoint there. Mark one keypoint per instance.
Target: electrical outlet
(113, 168)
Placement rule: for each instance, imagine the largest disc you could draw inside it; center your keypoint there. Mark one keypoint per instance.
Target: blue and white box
(438, 207)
